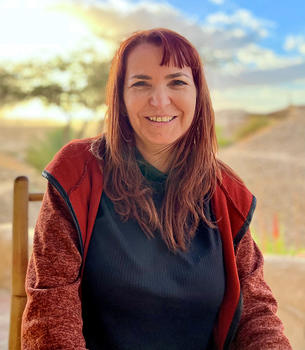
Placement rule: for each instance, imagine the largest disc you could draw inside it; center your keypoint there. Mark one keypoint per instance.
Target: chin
(164, 143)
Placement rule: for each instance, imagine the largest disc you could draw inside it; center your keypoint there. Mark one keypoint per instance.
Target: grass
(255, 123)
(41, 152)
(275, 246)
(222, 141)
(275, 243)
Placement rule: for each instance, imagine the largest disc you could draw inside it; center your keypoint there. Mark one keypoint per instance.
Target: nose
(159, 97)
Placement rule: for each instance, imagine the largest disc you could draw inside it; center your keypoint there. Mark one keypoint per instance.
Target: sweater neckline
(151, 173)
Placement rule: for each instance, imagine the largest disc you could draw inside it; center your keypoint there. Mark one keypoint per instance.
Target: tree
(71, 83)
(77, 81)
(10, 91)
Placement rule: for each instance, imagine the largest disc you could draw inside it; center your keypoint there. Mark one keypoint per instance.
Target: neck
(158, 156)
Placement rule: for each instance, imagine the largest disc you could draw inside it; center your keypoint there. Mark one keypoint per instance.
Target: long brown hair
(194, 170)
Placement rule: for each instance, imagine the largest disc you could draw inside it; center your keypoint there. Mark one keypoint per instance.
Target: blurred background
(54, 62)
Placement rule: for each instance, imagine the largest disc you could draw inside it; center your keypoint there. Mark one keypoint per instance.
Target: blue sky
(285, 17)
(253, 51)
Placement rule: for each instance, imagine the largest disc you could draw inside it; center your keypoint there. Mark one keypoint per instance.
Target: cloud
(295, 43)
(229, 41)
(217, 2)
(240, 19)
(253, 55)
(116, 19)
(256, 77)
(259, 100)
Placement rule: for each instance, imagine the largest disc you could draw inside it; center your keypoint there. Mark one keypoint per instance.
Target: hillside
(230, 121)
(272, 164)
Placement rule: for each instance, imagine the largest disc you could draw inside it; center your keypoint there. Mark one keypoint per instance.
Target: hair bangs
(178, 55)
(176, 49)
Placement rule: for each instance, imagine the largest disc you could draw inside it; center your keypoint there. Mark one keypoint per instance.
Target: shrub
(275, 242)
(222, 141)
(40, 152)
(254, 124)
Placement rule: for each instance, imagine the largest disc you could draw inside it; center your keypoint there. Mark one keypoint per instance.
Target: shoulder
(233, 203)
(72, 162)
(236, 193)
(73, 150)
(233, 190)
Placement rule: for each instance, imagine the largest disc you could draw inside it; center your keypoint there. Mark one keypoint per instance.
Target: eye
(178, 82)
(140, 84)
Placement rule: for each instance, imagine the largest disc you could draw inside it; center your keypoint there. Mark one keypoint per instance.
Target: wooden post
(19, 259)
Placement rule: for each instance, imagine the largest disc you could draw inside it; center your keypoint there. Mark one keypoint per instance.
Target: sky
(253, 51)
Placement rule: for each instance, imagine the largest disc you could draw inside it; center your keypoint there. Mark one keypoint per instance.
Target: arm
(259, 327)
(53, 317)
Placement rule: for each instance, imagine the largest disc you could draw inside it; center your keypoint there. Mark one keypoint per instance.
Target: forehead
(147, 58)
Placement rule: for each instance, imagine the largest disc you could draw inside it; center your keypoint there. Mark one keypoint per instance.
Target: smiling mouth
(165, 119)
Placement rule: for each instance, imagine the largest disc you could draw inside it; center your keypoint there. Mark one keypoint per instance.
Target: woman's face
(160, 100)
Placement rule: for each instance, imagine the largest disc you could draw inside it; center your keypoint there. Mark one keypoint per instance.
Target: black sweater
(136, 294)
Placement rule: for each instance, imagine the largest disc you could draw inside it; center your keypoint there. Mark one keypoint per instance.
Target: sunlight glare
(41, 33)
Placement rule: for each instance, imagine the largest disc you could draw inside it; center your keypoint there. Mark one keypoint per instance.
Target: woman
(143, 238)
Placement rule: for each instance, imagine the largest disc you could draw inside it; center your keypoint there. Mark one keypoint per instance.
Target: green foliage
(222, 141)
(40, 153)
(79, 81)
(69, 83)
(10, 91)
(254, 124)
(269, 244)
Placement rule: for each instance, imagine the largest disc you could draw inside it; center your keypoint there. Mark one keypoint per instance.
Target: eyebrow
(169, 76)
(176, 75)
(141, 76)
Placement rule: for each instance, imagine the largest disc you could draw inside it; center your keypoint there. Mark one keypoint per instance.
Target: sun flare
(42, 32)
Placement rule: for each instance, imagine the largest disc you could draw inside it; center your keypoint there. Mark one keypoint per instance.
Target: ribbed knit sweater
(138, 295)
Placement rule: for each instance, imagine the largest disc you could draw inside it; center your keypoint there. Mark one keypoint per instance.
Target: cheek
(133, 111)
(194, 104)
(188, 104)
(133, 104)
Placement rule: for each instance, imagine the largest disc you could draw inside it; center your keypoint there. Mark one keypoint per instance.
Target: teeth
(161, 119)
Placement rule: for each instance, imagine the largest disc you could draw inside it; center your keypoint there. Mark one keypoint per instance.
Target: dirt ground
(272, 164)
(286, 277)
(4, 318)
